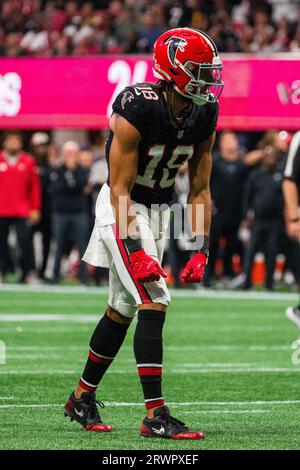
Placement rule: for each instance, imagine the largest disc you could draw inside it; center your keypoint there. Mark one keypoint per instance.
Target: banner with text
(259, 93)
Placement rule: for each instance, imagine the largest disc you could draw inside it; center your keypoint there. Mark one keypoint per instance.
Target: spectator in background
(86, 158)
(229, 172)
(127, 25)
(223, 34)
(152, 27)
(264, 201)
(97, 177)
(179, 13)
(36, 40)
(70, 218)
(99, 170)
(54, 157)
(40, 150)
(20, 200)
(98, 142)
(280, 140)
(176, 255)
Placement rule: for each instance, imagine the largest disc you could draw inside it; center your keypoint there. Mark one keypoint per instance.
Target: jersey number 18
(180, 154)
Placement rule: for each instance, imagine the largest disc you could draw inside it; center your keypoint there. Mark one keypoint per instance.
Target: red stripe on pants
(146, 299)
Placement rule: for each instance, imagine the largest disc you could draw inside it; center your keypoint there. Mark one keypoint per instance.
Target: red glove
(194, 270)
(145, 268)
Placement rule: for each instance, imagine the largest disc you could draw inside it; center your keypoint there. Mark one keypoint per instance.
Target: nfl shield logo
(180, 134)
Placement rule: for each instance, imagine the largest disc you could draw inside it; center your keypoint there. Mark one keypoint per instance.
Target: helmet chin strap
(170, 98)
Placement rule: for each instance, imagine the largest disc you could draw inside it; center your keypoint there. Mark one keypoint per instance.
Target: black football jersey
(163, 147)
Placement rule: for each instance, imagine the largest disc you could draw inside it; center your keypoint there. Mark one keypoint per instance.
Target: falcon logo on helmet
(188, 59)
(175, 43)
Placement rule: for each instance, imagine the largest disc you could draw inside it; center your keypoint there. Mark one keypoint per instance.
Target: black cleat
(165, 426)
(84, 411)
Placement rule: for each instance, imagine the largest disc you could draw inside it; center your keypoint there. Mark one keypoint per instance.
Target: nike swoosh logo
(79, 413)
(137, 92)
(159, 431)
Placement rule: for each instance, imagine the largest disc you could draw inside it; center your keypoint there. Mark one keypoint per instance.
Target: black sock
(104, 346)
(148, 352)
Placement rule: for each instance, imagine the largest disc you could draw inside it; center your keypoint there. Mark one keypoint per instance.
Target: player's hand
(194, 270)
(145, 268)
(293, 229)
(34, 217)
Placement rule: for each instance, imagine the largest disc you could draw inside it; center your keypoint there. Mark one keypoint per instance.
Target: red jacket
(20, 190)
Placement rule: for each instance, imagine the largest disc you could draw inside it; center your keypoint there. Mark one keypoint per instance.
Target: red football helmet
(189, 59)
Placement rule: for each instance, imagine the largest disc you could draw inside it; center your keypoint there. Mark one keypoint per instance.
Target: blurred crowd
(250, 241)
(51, 192)
(48, 196)
(80, 28)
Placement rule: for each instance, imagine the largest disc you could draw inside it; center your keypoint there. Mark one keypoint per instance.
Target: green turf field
(228, 371)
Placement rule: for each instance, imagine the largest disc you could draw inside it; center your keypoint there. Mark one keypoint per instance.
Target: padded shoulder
(134, 104)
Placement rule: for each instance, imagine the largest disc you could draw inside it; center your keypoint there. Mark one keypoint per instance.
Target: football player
(291, 191)
(154, 129)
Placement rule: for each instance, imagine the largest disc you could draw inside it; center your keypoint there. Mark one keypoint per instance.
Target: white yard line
(267, 316)
(46, 317)
(234, 294)
(7, 398)
(5, 371)
(53, 289)
(25, 329)
(197, 365)
(41, 317)
(209, 347)
(76, 360)
(25, 357)
(225, 411)
(216, 294)
(84, 327)
(174, 404)
(226, 347)
(229, 328)
(235, 370)
(216, 403)
(45, 348)
(45, 405)
(183, 412)
(21, 302)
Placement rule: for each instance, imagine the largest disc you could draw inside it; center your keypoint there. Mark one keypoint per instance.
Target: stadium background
(61, 65)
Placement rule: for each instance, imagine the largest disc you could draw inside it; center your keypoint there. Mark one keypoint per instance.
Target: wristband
(204, 248)
(133, 244)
